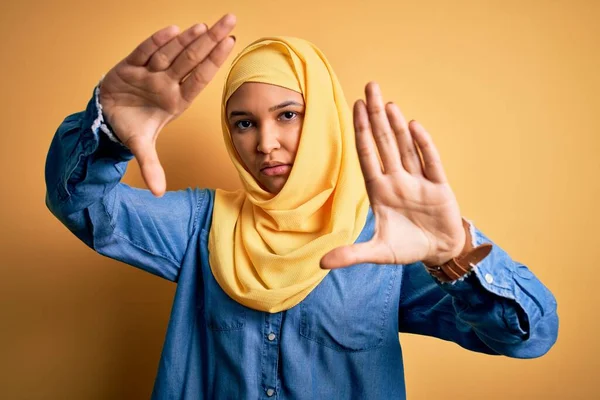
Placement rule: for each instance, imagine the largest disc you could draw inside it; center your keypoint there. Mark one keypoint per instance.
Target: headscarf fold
(264, 249)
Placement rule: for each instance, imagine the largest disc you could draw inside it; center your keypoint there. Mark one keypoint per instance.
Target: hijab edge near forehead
(268, 60)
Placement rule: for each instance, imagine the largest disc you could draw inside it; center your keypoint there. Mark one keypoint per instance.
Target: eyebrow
(274, 108)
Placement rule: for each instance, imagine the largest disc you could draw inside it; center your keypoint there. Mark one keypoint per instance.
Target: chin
(274, 188)
(272, 185)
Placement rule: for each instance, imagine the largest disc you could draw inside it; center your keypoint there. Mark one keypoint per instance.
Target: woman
(263, 308)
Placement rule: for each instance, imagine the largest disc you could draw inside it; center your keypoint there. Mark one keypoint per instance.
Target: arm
(499, 308)
(83, 172)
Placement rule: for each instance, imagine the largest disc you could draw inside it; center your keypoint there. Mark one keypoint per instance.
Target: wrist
(464, 246)
(103, 118)
(463, 263)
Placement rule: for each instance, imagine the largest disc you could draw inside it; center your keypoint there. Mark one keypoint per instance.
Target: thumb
(345, 256)
(153, 174)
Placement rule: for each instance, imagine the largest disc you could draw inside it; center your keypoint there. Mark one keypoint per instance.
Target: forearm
(499, 307)
(505, 304)
(82, 166)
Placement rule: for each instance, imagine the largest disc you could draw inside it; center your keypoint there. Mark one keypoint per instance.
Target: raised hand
(417, 217)
(157, 82)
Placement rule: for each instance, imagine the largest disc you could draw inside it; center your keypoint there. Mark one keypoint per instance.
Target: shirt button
(489, 278)
(270, 392)
(271, 337)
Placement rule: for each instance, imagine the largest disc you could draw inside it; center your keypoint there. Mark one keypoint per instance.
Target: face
(265, 122)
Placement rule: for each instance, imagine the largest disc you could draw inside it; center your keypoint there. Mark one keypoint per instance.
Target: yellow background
(508, 89)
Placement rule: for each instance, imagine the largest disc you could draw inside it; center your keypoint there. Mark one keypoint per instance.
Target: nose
(268, 140)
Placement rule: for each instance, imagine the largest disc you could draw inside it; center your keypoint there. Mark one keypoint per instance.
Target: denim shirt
(340, 342)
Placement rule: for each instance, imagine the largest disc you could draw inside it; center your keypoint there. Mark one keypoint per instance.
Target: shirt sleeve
(83, 170)
(500, 307)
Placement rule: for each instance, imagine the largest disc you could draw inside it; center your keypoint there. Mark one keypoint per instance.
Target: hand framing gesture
(157, 82)
(417, 217)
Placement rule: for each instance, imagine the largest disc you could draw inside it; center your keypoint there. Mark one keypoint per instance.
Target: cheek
(245, 146)
(292, 138)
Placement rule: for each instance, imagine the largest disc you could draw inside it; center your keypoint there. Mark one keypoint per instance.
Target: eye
(288, 115)
(243, 125)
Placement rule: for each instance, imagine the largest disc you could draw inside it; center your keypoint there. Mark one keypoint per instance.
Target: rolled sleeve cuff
(497, 274)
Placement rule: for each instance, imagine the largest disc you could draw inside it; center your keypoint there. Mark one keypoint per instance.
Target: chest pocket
(350, 309)
(219, 311)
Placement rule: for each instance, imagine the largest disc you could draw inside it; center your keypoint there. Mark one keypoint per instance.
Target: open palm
(417, 217)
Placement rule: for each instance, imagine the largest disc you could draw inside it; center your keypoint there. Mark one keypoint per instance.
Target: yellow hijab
(264, 249)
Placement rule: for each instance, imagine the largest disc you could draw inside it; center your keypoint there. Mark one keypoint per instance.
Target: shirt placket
(270, 355)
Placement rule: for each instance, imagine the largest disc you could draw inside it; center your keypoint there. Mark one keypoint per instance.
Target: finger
(408, 151)
(345, 256)
(206, 70)
(152, 172)
(200, 48)
(432, 164)
(382, 131)
(365, 147)
(146, 49)
(163, 57)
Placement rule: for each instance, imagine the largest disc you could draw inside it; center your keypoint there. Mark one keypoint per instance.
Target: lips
(275, 168)
(268, 164)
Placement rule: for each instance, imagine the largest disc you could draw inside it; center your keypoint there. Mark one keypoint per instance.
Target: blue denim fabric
(341, 342)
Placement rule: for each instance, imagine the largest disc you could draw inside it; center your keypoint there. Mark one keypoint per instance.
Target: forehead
(259, 95)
